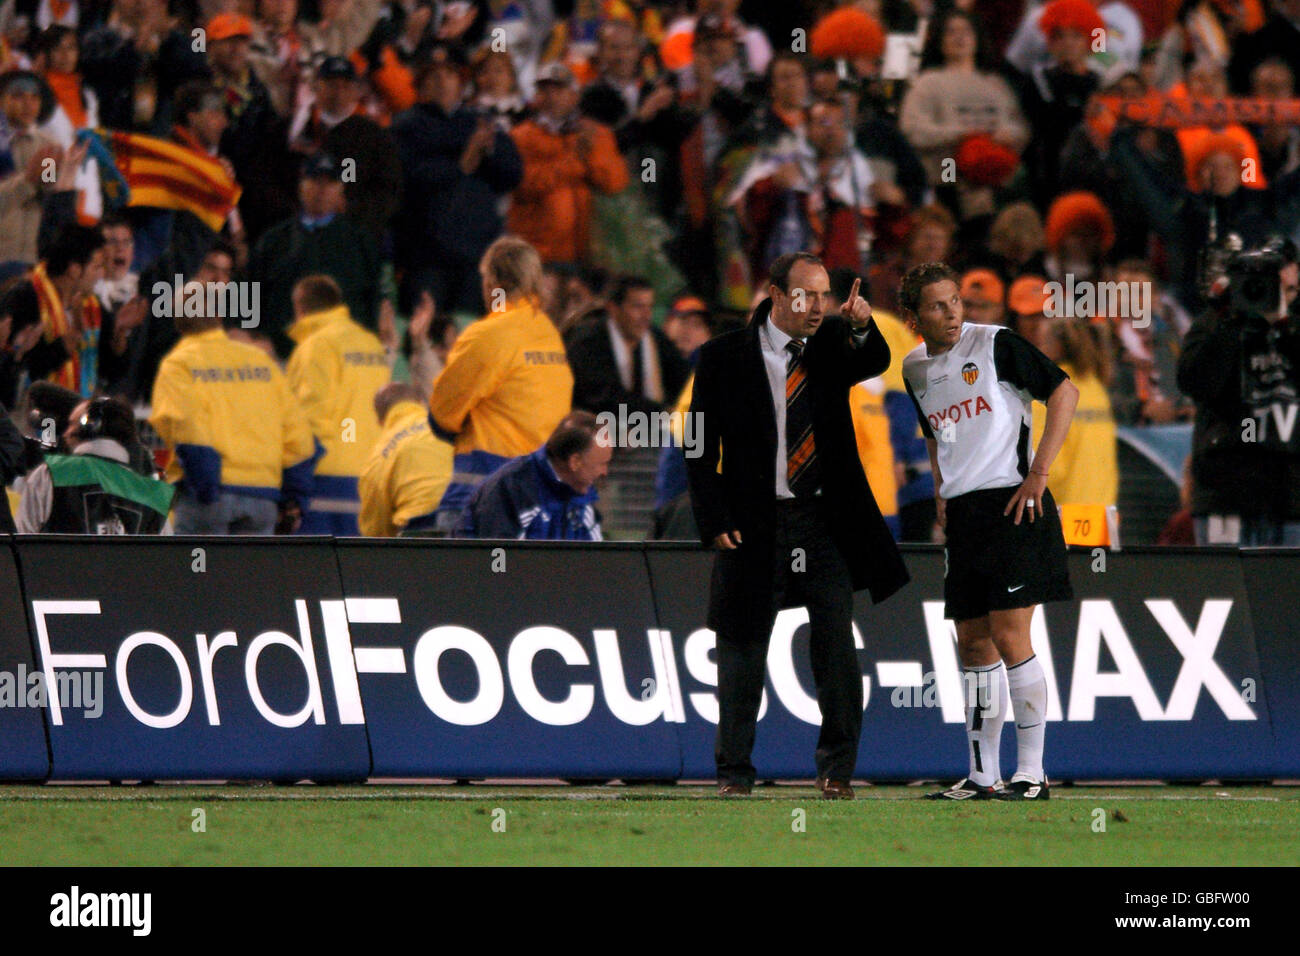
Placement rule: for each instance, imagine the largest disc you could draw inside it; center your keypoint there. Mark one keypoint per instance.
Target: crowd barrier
(335, 660)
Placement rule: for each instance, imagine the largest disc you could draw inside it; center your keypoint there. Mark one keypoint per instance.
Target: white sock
(1029, 704)
(982, 687)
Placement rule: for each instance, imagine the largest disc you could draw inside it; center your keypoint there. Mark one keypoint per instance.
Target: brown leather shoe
(734, 790)
(834, 789)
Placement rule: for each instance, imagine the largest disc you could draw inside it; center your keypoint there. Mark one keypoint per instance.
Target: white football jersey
(975, 401)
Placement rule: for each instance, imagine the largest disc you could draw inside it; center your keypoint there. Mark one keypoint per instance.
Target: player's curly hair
(918, 277)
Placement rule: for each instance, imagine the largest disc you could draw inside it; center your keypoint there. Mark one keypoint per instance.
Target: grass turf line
(586, 826)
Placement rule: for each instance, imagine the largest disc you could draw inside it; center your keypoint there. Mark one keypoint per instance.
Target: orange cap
(1028, 296)
(677, 50)
(686, 304)
(982, 285)
(226, 25)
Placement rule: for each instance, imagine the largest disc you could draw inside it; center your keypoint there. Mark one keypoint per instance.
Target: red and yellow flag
(171, 176)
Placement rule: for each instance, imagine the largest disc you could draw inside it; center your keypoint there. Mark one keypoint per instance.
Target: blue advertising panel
(1149, 669)
(284, 659)
(1273, 580)
(214, 658)
(487, 659)
(23, 692)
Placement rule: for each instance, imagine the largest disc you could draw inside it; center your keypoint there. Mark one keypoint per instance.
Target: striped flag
(168, 175)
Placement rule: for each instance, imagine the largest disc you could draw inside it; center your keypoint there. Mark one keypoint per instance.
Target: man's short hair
(778, 273)
(220, 247)
(514, 265)
(574, 435)
(318, 293)
(115, 220)
(917, 278)
(194, 97)
(395, 392)
(783, 55)
(74, 244)
(186, 323)
(47, 40)
(621, 286)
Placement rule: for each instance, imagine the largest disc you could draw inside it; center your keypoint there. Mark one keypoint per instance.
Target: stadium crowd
(359, 264)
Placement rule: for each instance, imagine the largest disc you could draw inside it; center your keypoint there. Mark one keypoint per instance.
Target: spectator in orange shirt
(565, 156)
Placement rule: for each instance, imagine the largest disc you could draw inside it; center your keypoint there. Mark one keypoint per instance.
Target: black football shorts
(993, 564)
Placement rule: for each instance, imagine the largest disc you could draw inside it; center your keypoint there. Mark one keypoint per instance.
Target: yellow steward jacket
(901, 340)
(506, 385)
(226, 411)
(335, 370)
(871, 428)
(1086, 471)
(407, 473)
(871, 417)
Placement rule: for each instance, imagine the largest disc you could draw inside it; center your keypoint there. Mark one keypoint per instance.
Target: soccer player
(973, 386)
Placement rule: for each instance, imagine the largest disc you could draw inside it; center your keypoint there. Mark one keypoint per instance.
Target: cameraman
(94, 490)
(1241, 365)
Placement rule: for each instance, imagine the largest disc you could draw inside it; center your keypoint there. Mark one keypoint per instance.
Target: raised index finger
(857, 284)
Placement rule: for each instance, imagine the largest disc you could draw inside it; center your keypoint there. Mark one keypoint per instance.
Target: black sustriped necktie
(803, 472)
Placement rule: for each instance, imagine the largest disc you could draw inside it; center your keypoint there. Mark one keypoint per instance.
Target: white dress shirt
(775, 361)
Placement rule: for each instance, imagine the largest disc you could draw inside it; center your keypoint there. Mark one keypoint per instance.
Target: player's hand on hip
(856, 309)
(1028, 497)
(727, 541)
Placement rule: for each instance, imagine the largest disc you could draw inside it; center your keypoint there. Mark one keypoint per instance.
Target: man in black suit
(790, 510)
(619, 358)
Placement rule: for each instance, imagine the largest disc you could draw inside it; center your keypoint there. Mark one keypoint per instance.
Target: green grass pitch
(675, 825)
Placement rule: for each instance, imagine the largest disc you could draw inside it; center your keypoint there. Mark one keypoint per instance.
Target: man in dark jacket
(790, 511)
(256, 140)
(456, 165)
(321, 240)
(1241, 365)
(620, 359)
(335, 123)
(135, 63)
(549, 495)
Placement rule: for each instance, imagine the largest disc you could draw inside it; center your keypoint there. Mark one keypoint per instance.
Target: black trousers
(818, 578)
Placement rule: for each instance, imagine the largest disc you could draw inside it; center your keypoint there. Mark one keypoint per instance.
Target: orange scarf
(67, 90)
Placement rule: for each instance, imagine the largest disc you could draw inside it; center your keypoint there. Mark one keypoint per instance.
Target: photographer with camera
(1241, 365)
